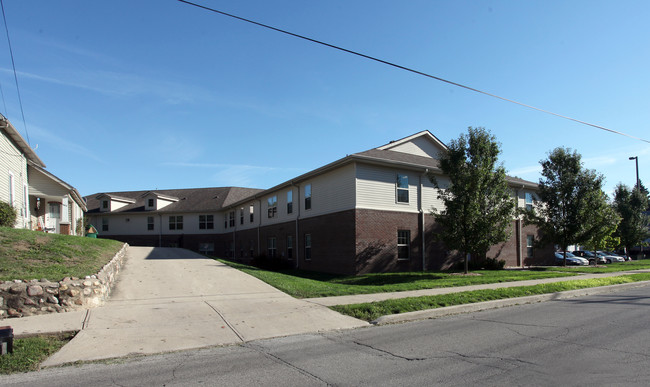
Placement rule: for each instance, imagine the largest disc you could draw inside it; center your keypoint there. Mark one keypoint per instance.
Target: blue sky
(138, 95)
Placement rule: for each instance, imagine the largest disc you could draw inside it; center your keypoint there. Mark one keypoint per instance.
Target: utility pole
(638, 188)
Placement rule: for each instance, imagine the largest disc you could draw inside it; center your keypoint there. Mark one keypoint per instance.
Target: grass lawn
(609, 268)
(371, 311)
(30, 352)
(304, 284)
(26, 254)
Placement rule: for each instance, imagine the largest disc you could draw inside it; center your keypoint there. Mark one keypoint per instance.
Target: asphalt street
(594, 340)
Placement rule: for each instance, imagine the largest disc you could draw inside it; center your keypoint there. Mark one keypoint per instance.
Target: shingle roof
(190, 199)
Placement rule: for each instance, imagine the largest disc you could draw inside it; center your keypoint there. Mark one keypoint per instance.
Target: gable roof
(189, 199)
(19, 141)
(71, 190)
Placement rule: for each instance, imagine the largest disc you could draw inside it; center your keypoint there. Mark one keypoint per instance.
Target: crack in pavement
(383, 351)
(509, 359)
(277, 359)
(226, 321)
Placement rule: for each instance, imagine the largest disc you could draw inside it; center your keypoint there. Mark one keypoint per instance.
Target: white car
(609, 258)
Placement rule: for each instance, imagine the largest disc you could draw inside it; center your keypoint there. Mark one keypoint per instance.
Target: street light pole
(636, 159)
(638, 189)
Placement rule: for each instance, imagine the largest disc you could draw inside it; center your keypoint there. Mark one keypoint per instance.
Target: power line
(13, 65)
(407, 69)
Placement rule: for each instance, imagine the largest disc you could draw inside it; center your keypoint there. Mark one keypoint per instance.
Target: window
(206, 222)
(307, 247)
(252, 249)
(402, 187)
(11, 189)
(206, 248)
(251, 211)
(290, 247)
(225, 221)
(530, 239)
(241, 216)
(529, 201)
(231, 218)
(176, 222)
(308, 197)
(272, 247)
(290, 202)
(149, 222)
(104, 224)
(273, 206)
(403, 244)
(25, 200)
(105, 204)
(150, 203)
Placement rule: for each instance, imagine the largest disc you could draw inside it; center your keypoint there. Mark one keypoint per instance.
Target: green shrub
(7, 215)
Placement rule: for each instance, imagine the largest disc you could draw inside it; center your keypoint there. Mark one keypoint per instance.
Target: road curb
(480, 306)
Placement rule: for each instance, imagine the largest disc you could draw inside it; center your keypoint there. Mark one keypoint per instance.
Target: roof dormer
(154, 201)
(108, 203)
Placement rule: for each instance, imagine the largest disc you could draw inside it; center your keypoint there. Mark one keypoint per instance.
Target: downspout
(297, 219)
(422, 222)
(259, 225)
(520, 253)
(234, 235)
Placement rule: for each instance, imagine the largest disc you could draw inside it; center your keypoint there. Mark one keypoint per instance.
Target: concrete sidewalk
(365, 298)
(169, 299)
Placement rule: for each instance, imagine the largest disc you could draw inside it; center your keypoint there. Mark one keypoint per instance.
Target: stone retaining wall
(19, 298)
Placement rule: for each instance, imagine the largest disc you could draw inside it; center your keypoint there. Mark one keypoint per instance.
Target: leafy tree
(478, 205)
(602, 222)
(7, 215)
(630, 205)
(568, 194)
(646, 194)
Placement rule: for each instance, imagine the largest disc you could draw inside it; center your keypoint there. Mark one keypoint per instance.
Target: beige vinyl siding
(430, 199)
(331, 192)
(43, 186)
(13, 161)
(420, 147)
(376, 188)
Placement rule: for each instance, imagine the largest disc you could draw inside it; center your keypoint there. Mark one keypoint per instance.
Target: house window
(402, 187)
(25, 200)
(241, 216)
(206, 248)
(149, 222)
(290, 202)
(290, 247)
(308, 197)
(231, 218)
(11, 189)
(530, 239)
(308, 247)
(104, 224)
(273, 206)
(251, 211)
(105, 204)
(176, 222)
(150, 203)
(272, 247)
(206, 222)
(403, 244)
(225, 221)
(529, 201)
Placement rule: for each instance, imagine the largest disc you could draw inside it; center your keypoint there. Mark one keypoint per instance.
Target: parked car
(590, 256)
(609, 258)
(570, 259)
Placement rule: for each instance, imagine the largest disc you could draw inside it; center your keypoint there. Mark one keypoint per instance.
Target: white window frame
(308, 247)
(105, 224)
(272, 203)
(400, 189)
(528, 201)
(151, 223)
(290, 201)
(272, 247)
(206, 222)
(308, 195)
(176, 221)
(530, 241)
(404, 242)
(12, 197)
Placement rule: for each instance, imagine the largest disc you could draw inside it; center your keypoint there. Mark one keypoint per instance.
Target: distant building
(367, 212)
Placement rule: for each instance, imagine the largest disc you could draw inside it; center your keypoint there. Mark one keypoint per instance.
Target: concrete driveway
(169, 299)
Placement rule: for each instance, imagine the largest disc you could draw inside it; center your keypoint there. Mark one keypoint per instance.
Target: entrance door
(54, 217)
